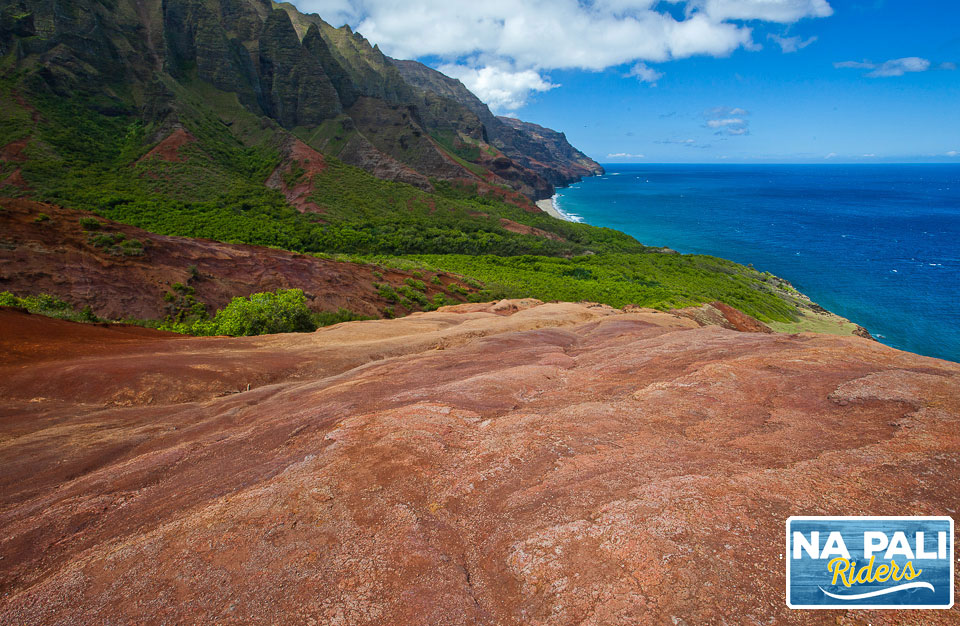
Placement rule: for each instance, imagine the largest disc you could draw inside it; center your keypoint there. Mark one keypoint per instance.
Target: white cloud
(791, 44)
(335, 12)
(898, 67)
(502, 89)
(544, 35)
(735, 121)
(832, 155)
(783, 11)
(854, 64)
(869, 156)
(645, 74)
(953, 153)
(893, 67)
(728, 120)
(948, 65)
(624, 155)
(725, 112)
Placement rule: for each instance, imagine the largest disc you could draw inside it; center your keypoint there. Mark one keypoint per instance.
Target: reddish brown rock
(720, 314)
(169, 148)
(517, 463)
(523, 229)
(294, 177)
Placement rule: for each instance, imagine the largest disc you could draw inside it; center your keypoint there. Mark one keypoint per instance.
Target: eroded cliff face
(163, 62)
(509, 463)
(540, 150)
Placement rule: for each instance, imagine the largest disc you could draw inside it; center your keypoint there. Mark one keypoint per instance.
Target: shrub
(130, 247)
(416, 284)
(436, 280)
(388, 293)
(116, 243)
(43, 217)
(90, 223)
(412, 295)
(50, 306)
(284, 311)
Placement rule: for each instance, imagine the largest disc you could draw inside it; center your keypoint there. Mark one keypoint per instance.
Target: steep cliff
(171, 63)
(542, 150)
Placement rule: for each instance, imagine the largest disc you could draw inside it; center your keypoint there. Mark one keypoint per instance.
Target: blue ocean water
(877, 244)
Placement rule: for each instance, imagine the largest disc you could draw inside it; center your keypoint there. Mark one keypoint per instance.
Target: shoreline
(813, 317)
(552, 208)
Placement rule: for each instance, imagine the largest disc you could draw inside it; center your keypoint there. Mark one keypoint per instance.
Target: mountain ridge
(330, 87)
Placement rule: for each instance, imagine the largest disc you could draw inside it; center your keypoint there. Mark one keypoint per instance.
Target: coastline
(552, 208)
(812, 316)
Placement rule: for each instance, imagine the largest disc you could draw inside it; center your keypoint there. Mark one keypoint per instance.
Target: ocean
(877, 244)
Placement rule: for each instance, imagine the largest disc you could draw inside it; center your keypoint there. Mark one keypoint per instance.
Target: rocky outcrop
(297, 89)
(720, 314)
(59, 257)
(516, 463)
(541, 150)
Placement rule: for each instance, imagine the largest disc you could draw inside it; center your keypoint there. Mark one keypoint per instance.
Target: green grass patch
(655, 280)
(49, 306)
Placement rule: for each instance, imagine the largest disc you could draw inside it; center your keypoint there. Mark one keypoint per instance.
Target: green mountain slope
(245, 121)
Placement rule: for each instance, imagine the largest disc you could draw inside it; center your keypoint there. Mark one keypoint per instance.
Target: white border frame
(902, 607)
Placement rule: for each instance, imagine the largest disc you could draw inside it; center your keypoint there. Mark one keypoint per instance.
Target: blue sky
(697, 80)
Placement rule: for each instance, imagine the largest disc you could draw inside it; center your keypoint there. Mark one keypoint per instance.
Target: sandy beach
(547, 207)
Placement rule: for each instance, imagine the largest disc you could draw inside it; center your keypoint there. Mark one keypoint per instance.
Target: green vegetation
(48, 305)
(215, 189)
(90, 223)
(183, 307)
(116, 243)
(656, 280)
(282, 311)
(326, 318)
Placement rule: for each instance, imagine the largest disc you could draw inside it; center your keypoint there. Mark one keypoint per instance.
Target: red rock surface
(310, 163)
(516, 463)
(720, 314)
(56, 257)
(169, 148)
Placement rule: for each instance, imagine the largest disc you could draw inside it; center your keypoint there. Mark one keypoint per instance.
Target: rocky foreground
(517, 463)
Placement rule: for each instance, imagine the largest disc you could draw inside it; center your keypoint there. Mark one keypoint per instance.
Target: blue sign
(870, 562)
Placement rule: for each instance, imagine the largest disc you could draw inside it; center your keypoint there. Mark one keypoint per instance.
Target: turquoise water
(878, 244)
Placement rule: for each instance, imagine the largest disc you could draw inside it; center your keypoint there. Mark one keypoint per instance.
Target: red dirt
(34, 114)
(169, 148)
(15, 179)
(13, 151)
(519, 463)
(523, 229)
(56, 257)
(299, 155)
